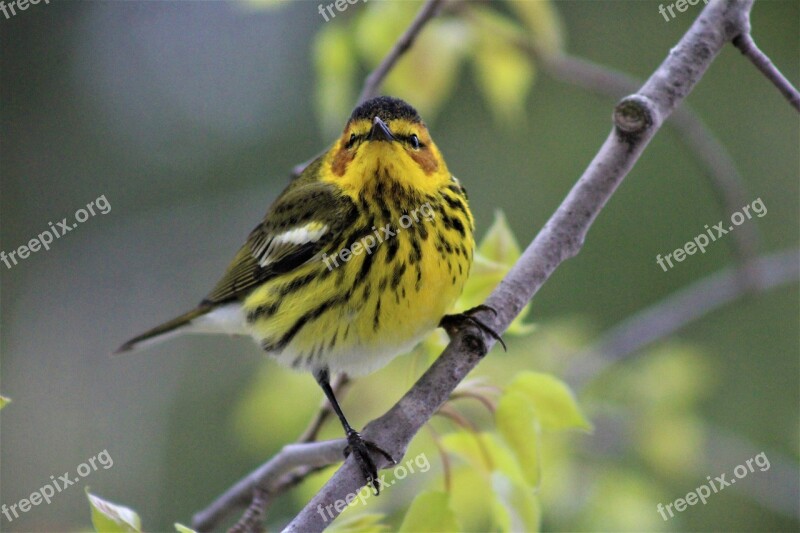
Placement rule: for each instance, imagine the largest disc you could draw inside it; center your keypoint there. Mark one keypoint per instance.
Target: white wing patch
(274, 249)
(309, 233)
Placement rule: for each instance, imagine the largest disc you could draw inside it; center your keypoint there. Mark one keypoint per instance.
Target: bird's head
(385, 139)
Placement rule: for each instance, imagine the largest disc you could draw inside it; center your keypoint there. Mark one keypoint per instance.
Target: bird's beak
(380, 131)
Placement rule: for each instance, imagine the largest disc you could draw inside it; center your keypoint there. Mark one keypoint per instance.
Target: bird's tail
(167, 330)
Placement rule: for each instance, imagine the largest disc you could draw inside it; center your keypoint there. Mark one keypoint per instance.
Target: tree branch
(636, 120)
(747, 46)
(676, 311)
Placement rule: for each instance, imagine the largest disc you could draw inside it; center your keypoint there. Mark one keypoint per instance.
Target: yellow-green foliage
(427, 74)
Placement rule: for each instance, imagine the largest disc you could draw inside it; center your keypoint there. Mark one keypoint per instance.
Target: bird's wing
(301, 222)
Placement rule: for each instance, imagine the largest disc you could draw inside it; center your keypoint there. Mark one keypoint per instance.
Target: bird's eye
(414, 140)
(352, 140)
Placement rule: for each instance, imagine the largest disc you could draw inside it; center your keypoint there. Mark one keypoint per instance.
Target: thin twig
(676, 311)
(636, 120)
(747, 46)
(252, 520)
(375, 79)
(468, 426)
(446, 466)
(460, 420)
(485, 401)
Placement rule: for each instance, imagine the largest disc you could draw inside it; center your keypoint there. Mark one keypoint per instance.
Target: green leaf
(485, 452)
(504, 72)
(257, 426)
(669, 441)
(471, 497)
(4, 401)
(472, 447)
(552, 400)
(427, 73)
(109, 517)
(505, 75)
(499, 244)
(516, 421)
(516, 508)
(430, 348)
(429, 512)
(180, 528)
(363, 523)
(336, 71)
(541, 17)
(622, 500)
(494, 257)
(483, 278)
(674, 375)
(378, 27)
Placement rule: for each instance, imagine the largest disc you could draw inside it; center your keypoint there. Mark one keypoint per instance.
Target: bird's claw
(360, 449)
(452, 323)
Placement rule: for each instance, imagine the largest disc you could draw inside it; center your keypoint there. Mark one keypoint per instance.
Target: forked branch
(747, 46)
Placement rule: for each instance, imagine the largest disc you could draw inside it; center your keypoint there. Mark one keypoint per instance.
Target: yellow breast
(377, 291)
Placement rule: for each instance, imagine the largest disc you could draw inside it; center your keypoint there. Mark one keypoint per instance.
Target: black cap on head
(386, 108)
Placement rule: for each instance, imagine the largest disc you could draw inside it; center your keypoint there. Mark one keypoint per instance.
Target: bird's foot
(452, 323)
(360, 449)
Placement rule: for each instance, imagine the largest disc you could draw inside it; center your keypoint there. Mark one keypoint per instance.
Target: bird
(360, 257)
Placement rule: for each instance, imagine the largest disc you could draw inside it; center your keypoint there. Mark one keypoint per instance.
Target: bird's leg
(452, 323)
(356, 445)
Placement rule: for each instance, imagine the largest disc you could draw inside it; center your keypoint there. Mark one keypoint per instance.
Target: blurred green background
(188, 116)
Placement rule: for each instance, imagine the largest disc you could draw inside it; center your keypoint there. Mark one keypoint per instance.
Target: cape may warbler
(357, 260)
